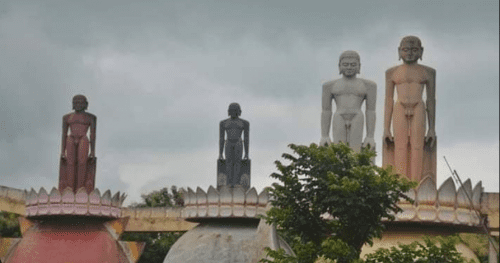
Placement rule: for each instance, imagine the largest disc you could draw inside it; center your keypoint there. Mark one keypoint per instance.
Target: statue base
(242, 179)
(88, 182)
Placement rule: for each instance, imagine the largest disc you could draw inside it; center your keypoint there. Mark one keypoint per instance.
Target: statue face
(79, 103)
(233, 112)
(410, 52)
(349, 66)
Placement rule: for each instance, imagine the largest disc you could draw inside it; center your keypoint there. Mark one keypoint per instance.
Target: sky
(159, 76)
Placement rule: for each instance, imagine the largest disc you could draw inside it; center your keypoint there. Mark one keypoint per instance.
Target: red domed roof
(64, 239)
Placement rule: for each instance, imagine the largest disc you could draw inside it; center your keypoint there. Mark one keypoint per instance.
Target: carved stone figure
(77, 168)
(411, 151)
(349, 94)
(233, 170)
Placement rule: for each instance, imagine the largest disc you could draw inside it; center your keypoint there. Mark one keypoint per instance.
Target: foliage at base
(9, 225)
(157, 244)
(416, 252)
(330, 201)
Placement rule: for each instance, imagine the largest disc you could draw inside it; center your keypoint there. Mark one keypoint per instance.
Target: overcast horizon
(160, 75)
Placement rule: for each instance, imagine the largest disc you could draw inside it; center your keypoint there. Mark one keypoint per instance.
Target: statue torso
(348, 94)
(233, 128)
(409, 81)
(78, 123)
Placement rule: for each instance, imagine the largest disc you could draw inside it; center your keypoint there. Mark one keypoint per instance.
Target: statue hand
(220, 157)
(369, 142)
(91, 155)
(388, 136)
(63, 156)
(246, 157)
(431, 138)
(325, 141)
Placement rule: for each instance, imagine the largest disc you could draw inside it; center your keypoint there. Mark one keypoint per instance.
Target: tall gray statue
(233, 170)
(349, 94)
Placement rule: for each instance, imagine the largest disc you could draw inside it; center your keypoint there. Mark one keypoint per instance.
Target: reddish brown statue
(411, 151)
(77, 167)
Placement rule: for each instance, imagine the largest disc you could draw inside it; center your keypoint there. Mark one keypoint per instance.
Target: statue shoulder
(92, 116)
(223, 122)
(329, 84)
(370, 84)
(245, 122)
(391, 70)
(429, 70)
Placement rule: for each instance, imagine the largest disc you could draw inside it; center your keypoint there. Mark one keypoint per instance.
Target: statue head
(349, 63)
(410, 49)
(234, 110)
(80, 103)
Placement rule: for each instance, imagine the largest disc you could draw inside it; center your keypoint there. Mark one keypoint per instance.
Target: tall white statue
(349, 94)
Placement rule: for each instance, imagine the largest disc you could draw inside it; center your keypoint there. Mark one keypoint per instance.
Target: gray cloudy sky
(159, 75)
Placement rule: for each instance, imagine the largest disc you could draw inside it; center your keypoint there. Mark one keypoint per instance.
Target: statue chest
(353, 87)
(79, 119)
(236, 124)
(409, 75)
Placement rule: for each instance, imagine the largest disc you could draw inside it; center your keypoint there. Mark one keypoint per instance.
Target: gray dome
(231, 241)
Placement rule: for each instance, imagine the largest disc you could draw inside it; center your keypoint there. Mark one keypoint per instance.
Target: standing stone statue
(411, 151)
(77, 167)
(349, 94)
(233, 170)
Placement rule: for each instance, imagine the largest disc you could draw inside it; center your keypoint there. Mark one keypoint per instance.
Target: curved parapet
(444, 205)
(426, 200)
(70, 203)
(12, 200)
(227, 203)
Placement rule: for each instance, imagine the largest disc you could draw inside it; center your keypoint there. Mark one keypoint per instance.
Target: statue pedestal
(242, 179)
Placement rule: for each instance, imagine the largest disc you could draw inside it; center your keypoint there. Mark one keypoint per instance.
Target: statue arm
(246, 136)
(431, 105)
(93, 124)
(371, 102)
(221, 139)
(64, 136)
(389, 104)
(326, 114)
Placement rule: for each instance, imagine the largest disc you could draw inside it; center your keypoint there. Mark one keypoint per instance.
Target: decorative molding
(227, 203)
(69, 203)
(443, 205)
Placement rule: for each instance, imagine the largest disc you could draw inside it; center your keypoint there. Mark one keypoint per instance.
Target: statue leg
(238, 154)
(339, 130)
(400, 125)
(71, 163)
(356, 132)
(83, 155)
(418, 128)
(229, 162)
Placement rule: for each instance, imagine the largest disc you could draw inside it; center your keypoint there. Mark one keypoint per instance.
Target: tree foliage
(416, 252)
(9, 225)
(157, 244)
(330, 201)
(161, 198)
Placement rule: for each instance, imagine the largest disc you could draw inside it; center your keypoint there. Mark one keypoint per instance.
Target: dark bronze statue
(77, 168)
(233, 170)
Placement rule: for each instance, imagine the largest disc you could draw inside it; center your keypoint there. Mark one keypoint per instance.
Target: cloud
(160, 75)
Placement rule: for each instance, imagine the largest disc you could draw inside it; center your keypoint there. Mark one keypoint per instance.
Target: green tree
(330, 201)
(161, 198)
(416, 252)
(9, 225)
(157, 244)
